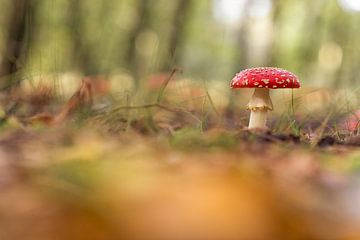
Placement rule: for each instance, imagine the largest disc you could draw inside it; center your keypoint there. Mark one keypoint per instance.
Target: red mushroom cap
(265, 77)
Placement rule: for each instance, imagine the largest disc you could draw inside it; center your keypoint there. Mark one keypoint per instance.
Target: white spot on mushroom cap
(266, 81)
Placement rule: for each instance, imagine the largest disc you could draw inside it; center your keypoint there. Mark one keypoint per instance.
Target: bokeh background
(127, 48)
(209, 39)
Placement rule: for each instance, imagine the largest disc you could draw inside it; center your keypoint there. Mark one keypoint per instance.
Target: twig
(156, 105)
(211, 102)
(320, 130)
(146, 106)
(165, 83)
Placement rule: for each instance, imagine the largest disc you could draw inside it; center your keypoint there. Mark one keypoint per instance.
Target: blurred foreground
(68, 184)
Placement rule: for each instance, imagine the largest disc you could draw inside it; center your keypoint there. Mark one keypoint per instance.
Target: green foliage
(193, 138)
(80, 174)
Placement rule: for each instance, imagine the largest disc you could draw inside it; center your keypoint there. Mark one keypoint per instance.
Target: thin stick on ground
(146, 106)
(165, 84)
(157, 105)
(211, 102)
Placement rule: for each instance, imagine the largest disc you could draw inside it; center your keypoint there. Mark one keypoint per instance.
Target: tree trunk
(275, 15)
(177, 35)
(14, 45)
(241, 60)
(133, 63)
(81, 53)
(241, 56)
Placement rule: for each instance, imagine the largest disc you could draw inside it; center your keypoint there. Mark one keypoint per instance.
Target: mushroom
(263, 79)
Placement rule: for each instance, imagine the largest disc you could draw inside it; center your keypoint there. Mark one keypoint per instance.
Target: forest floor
(167, 172)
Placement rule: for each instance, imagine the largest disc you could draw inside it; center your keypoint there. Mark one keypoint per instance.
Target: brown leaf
(43, 118)
(100, 85)
(81, 98)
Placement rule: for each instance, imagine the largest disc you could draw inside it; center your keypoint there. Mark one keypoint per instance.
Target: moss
(193, 138)
(80, 174)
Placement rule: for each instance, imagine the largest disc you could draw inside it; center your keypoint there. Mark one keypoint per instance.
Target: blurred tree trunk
(177, 34)
(312, 37)
(142, 23)
(14, 44)
(84, 60)
(241, 50)
(241, 60)
(277, 9)
(339, 32)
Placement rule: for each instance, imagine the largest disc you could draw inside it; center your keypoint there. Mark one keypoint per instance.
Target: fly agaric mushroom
(263, 79)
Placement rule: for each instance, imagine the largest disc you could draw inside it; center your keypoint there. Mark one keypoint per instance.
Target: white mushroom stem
(259, 105)
(258, 119)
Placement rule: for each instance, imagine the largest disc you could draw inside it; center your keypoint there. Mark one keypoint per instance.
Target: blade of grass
(165, 84)
(320, 130)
